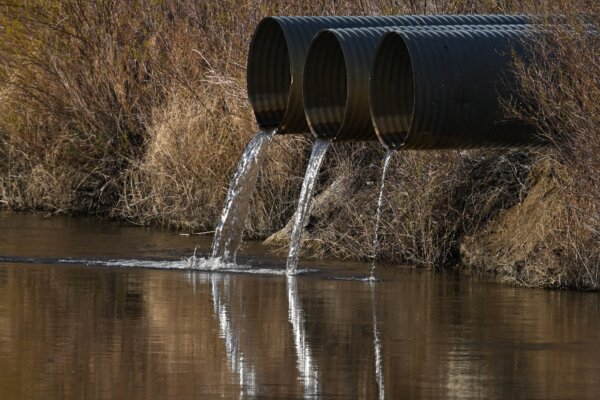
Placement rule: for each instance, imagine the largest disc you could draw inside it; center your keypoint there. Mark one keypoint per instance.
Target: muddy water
(85, 330)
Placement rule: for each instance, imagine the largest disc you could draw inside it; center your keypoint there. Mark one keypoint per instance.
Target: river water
(74, 328)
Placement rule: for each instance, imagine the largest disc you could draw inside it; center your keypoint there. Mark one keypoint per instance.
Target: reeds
(138, 110)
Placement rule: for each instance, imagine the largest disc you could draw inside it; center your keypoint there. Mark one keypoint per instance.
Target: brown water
(85, 330)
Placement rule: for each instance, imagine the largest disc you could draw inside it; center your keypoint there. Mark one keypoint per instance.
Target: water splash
(386, 163)
(377, 348)
(211, 264)
(192, 264)
(314, 164)
(228, 234)
(306, 364)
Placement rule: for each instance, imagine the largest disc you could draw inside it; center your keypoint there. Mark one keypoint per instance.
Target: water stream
(386, 163)
(314, 164)
(228, 234)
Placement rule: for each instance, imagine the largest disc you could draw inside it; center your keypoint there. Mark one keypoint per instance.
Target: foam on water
(368, 279)
(219, 265)
(192, 263)
(128, 263)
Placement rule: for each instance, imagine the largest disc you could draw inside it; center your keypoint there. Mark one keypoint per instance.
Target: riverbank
(138, 112)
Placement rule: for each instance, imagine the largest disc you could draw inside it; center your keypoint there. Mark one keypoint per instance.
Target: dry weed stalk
(138, 110)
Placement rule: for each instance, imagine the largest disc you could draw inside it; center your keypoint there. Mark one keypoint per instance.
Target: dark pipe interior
(392, 91)
(325, 86)
(269, 76)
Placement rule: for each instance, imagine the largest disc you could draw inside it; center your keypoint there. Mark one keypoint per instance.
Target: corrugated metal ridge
(443, 88)
(349, 118)
(279, 103)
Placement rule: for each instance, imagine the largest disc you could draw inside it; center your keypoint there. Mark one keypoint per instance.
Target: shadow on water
(74, 332)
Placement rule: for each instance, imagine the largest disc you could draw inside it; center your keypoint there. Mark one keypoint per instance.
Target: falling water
(228, 235)
(306, 364)
(377, 348)
(386, 163)
(316, 158)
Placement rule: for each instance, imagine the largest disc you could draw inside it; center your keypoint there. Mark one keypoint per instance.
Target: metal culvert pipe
(444, 89)
(276, 60)
(337, 66)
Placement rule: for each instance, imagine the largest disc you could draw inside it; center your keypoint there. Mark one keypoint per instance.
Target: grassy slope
(137, 110)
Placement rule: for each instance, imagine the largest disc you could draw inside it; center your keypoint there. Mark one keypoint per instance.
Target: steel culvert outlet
(276, 60)
(337, 67)
(445, 88)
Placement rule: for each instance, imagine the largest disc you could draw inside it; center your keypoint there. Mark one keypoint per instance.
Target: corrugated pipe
(441, 89)
(336, 71)
(278, 51)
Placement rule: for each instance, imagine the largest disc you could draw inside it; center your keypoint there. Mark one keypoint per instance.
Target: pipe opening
(325, 85)
(392, 91)
(268, 74)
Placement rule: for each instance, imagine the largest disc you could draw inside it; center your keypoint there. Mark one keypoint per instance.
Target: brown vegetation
(555, 231)
(138, 110)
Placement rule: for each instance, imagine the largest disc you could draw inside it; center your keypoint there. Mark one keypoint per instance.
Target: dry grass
(138, 110)
(98, 93)
(431, 200)
(184, 175)
(565, 82)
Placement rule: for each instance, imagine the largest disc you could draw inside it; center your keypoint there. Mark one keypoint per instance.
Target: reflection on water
(235, 356)
(377, 345)
(309, 375)
(73, 332)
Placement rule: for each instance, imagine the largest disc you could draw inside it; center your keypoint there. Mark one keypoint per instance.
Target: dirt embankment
(516, 243)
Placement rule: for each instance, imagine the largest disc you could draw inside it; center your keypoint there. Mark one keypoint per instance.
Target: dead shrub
(431, 200)
(138, 110)
(564, 83)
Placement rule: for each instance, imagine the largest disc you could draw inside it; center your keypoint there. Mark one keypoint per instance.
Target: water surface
(85, 330)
